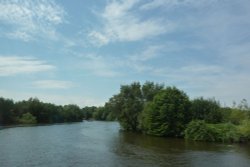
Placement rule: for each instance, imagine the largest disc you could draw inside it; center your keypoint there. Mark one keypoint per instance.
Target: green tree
(88, 112)
(127, 106)
(167, 114)
(72, 113)
(114, 107)
(7, 112)
(100, 114)
(131, 106)
(150, 89)
(28, 118)
(206, 109)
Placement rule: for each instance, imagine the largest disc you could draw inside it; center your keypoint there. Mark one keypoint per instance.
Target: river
(102, 144)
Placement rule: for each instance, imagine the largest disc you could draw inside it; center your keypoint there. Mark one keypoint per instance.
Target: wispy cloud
(149, 53)
(172, 4)
(98, 65)
(27, 19)
(13, 65)
(52, 84)
(121, 23)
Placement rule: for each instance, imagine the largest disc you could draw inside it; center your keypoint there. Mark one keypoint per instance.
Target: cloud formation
(99, 66)
(121, 23)
(26, 20)
(13, 65)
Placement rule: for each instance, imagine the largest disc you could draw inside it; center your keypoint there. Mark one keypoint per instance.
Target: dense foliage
(167, 111)
(128, 105)
(150, 108)
(202, 131)
(167, 114)
(33, 111)
(208, 110)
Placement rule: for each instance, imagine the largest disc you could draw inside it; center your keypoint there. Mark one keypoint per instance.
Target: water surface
(97, 144)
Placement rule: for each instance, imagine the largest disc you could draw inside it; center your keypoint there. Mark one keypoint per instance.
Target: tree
(206, 109)
(167, 114)
(28, 118)
(150, 89)
(100, 114)
(131, 106)
(72, 113)
(6, 111)
(114, 106)
(127, 106)
(88, 112)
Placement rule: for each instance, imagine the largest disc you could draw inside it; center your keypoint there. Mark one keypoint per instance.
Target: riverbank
(31, 125)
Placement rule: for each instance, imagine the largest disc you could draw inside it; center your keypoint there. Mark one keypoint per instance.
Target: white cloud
(154, 4)
(20, 35)
(171, 4)
(52, 84)
(149, 53)
(13, 65)
(99, 66)
(226, 85)
(27, 19)
(122, 24)
(99, 39)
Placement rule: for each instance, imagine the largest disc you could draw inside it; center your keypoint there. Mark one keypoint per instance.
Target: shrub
(227, 132)
(28, 118)
(244, 129)
(201, 131)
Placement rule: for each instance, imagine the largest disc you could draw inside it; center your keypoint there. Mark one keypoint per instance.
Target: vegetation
(167, 114)
(27, 118)
(128, 105)
(34, 111)
(167, 111)
(206, 109)
(202, 131)
(151, 108)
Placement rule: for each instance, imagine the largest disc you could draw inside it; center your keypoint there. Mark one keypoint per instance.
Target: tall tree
(131, 106)
(167, 114)
(150, 89)
(6, 111)
(206, 109)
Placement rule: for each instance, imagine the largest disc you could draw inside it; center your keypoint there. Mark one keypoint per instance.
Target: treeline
(155, 109)
(151, 108)
(33, 111)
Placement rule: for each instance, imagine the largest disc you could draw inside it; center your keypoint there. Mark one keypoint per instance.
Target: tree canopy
(150, 108)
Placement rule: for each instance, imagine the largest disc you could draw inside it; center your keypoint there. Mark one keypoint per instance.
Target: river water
(97, 144)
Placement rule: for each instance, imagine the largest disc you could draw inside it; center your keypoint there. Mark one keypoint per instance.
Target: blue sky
(81, 51)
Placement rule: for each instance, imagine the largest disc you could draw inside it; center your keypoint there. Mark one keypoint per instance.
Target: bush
(201, 131)
(227, 132)
(244, 129)
(28, 118)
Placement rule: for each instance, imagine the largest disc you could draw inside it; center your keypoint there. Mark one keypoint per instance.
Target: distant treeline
(151, 108)
(33, 111)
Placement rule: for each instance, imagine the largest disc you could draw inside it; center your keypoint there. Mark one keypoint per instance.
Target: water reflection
(102, 144)
(156, 151)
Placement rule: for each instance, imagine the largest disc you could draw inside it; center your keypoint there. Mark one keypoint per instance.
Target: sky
(82, 51)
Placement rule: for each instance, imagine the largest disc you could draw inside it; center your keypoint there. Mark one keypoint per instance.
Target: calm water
(98, 144)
